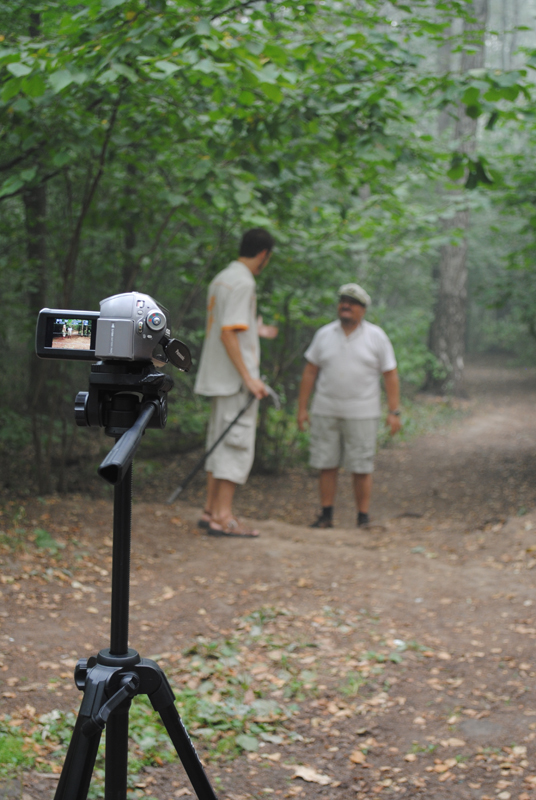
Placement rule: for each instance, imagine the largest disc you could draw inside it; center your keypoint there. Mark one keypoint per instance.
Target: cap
(356, 292)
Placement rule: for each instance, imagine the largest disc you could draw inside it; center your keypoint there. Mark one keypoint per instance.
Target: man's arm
(392, 390)
(266, 331)
(232, 346)
(310, 374)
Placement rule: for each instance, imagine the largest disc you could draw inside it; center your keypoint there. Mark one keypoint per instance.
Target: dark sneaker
(322, 522)
(362, 519)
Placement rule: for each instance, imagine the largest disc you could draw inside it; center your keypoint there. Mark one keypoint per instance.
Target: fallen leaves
(167, 594)
(349, 691)
(453, 742)
(311, 776)
(444, 766)
(272, 756)
(358, 757)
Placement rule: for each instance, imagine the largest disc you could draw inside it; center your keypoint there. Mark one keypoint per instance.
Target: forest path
(476, 468)
(408, 647)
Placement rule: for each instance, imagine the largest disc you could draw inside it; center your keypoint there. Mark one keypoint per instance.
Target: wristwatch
(395, 413)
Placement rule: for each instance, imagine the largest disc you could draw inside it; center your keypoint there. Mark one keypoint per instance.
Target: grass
(14, 754)
(422, 415)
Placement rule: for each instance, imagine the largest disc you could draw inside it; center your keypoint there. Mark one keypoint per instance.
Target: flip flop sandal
(232, 528)
(203, 522)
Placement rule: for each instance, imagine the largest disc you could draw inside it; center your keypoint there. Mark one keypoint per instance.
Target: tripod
(125, 398)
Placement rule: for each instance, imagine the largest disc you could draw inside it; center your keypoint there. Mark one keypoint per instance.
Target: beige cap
(356, 292)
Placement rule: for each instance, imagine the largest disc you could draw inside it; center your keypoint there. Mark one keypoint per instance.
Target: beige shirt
(348, 384)
(232, 305)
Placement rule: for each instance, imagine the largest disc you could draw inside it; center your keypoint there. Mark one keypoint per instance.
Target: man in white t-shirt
(229, 374)
(345, 362)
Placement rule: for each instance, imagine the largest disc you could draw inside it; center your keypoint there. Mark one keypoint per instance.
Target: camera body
(130, 327)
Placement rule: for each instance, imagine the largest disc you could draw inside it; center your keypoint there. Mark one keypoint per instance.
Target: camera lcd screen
(66, 334)
(72, 334)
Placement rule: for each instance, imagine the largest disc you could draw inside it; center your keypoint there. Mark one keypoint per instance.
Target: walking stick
(173, 496)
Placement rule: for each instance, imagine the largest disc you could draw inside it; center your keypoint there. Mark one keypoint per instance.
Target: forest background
(386, 143)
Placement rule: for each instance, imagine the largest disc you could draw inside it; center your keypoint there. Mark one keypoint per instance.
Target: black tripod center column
(123, 413)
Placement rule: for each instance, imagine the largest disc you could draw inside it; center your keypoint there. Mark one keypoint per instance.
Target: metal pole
(121, 565)
(116, 762)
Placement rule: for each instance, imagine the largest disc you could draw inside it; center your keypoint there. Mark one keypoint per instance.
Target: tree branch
(26, 186)
(18, 159)
(234, 8)
(158, 236)
(157, 258)
(70, 260)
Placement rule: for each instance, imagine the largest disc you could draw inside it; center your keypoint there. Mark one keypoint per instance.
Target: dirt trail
(478, 469)
(412, 642)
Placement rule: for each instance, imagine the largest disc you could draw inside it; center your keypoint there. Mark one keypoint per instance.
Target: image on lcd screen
(72, 334)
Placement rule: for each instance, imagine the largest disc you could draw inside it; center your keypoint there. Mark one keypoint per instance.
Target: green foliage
(353, 684)
(45, 541)
(138, 139)
(14, 433)
(14, 756)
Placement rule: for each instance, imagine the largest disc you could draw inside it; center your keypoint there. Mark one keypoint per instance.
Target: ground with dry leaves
(396, 661)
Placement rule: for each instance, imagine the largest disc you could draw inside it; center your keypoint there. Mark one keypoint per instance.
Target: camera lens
(156, 321)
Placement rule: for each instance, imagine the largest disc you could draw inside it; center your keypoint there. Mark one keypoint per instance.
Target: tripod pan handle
(119, 459)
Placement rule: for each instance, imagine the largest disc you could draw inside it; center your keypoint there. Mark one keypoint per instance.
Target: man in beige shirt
(229, 374)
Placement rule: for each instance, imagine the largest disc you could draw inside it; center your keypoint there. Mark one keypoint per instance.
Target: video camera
(127, 340)
(129, 327)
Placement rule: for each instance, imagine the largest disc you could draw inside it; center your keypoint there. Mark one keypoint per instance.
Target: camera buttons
(156, 321)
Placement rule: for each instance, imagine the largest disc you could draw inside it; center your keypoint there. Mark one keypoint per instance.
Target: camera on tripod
(127, 340)
(127, 394)
(129, 327)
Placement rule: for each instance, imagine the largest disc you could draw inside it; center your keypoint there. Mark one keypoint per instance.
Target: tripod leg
(186, 752)
(115, 783)
(79, 763)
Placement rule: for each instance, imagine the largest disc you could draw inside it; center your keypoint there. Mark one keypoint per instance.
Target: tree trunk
(513, 37)
(447, 332)
(131, 265)
(35, 209)
(35, 218)
(504, 28)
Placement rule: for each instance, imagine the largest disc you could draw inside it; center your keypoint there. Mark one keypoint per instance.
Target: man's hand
(393, 422)
(266, 331)
(310, 374)
(256, 387)
(303, 419)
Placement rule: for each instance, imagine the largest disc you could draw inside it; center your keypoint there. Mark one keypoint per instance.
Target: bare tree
(447, 332)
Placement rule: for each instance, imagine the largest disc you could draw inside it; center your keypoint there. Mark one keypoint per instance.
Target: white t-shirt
(348, 384)
(232, 305)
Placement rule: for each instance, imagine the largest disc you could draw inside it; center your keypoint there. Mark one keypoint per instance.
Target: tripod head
(124, 398)
(117, 391)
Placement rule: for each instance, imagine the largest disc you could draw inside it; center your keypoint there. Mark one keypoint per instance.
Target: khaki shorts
(233, 457)
(348, 443)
